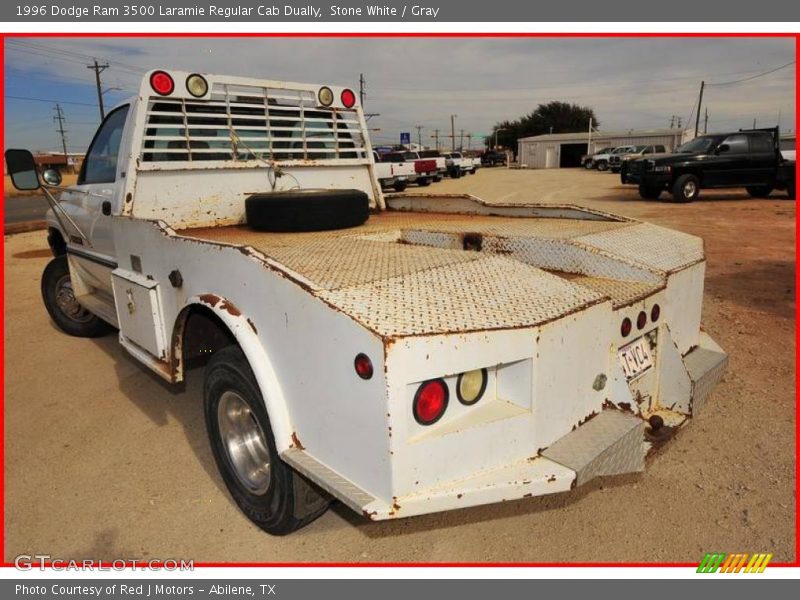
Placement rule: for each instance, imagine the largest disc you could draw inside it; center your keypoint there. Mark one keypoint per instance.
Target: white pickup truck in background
(403, 355)
(393, 171)
(457, 164)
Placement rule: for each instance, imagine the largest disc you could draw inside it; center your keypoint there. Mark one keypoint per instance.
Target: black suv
(749, 159)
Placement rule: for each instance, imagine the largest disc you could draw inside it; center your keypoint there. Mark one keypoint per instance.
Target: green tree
(555, 117)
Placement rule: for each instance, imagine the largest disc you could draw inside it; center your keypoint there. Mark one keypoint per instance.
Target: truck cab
(404, 354)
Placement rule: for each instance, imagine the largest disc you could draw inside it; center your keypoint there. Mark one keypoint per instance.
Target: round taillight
(430, 401)
(325, 96)
(471, 386)
(363, 366)
(641, 320)
(625, 328)
(162, 83)
(348, 98)
(196, 85)
(655, 312)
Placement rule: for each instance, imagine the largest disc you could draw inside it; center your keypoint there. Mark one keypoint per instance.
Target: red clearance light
(625, 329)
(430, 401)
(363, 366)
(162, 83)
(641, 320)
(348, 98)
(655, 312)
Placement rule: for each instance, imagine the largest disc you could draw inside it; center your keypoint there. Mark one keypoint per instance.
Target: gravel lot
(105, 461)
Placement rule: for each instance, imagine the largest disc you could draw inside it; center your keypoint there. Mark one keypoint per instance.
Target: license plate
(635, 358)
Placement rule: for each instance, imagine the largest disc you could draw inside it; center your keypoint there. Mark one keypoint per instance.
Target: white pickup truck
(403, 355)
(393, 171)
(457, 164)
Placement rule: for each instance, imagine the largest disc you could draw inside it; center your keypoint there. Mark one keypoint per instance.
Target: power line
(50, 100)
(754, 76)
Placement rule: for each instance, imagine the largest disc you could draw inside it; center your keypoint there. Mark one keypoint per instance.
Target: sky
(631, 83)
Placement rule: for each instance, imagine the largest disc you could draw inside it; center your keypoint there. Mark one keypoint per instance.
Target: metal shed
(560, 150)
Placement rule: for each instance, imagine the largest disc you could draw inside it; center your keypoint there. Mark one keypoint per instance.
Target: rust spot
(128, 198)
(551, 479)
(528, 495)
(230, 308)
(586, 419)
(395, 506)
(626, 407)
(574, 484)
(369, 515)
(459, 496)
(252, 325)
(296, 441)
(210, 299)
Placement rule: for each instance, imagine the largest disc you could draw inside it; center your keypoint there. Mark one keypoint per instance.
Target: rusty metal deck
(410, 273)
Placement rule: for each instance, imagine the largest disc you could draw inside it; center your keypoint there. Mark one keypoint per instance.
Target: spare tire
(306, 210)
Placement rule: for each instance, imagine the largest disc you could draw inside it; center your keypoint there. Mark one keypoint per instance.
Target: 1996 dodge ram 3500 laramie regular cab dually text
(403, 354)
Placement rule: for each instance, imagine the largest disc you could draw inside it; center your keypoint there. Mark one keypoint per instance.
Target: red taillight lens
(363, 366)
(641, 320)
(430, 401)
(625, 329)
(348, 98)
(162, 83)
(655, 312)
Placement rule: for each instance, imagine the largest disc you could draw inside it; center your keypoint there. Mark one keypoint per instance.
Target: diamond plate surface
(650, 245)
(610, 444)
(488, 293)
(705, 367)
(622, 293)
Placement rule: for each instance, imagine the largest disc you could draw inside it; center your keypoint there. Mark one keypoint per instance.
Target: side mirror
(723, 148)
(22, 169)
(51, 177)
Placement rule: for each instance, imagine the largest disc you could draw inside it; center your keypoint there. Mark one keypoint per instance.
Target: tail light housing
(363, 366)
(162, 83)
(625, 328)
(325, 96)
(641, 320)
(196, 85)
(655, 313)
(430, 401)
(471, 386)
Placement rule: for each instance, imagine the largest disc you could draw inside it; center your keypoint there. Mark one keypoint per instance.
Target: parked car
(457, 165)
(393, 171)
(615, 160)
(402, 362)
(618, 162)
(600, 161)
(587, 160)
(493, 158)
(749, 159)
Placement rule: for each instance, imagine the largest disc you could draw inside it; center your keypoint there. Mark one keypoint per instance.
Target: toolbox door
(139, 311)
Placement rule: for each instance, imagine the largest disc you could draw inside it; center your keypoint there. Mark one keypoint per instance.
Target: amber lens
(471, 386)
(325, 96)
(197, 85)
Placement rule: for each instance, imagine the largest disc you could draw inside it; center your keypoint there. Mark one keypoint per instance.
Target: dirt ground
(104, 461)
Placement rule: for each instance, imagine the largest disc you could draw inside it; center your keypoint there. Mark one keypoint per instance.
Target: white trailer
(438, 353)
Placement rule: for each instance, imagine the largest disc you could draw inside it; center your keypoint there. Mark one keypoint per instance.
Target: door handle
(106, 207)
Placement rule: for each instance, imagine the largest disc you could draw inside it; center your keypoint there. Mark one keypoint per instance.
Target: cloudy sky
(630, 83)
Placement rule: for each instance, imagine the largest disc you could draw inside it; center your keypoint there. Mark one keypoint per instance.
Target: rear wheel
(63, 307)
(602, 165)
(649, 192)
(423, 182)
(269, 492)
(759, 191)
(686, 188)
(400, 186)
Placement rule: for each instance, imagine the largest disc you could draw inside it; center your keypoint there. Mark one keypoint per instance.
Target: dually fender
(244, 333)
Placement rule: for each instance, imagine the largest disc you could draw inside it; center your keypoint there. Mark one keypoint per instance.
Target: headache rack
(243, 123)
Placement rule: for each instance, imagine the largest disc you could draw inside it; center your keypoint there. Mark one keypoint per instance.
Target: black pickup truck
(749, 159)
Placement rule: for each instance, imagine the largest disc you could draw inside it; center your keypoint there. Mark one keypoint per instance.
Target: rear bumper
(612, 443)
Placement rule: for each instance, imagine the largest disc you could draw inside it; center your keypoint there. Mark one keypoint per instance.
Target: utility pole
(98, 68)
(362, 94)
(754, 122)
(705, 122)
(419, 129)
(469, 141)
(453, 132)
(699, 105)
(59, 117)
(436, 137)
(461, 141)
(672, 122)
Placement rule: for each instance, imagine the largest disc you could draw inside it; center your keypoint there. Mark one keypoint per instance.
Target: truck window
(100, 165)
(737, 144)
(761, 143)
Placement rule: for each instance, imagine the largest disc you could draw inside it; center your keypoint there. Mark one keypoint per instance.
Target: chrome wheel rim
(244, 442)
(68, 304)
(689, 189)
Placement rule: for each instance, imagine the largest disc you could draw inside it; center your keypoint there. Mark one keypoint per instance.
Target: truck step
(609, 444)
(100, 304)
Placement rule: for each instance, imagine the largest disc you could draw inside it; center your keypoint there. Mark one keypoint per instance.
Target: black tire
(681, 189)
(615, 169)
(437, 179)
(602, 165)
(472, 172)
(400, 186)
(790, 190)
(288, 501)
(454, 172)
(307, 210)
(759, 191)
(59, 300)
(423, 182)
(649, 193)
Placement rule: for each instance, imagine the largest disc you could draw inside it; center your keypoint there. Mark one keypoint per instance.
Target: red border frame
(796, 36)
